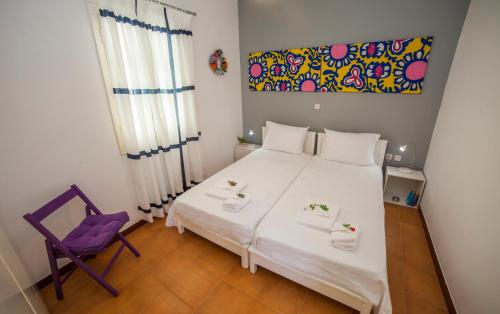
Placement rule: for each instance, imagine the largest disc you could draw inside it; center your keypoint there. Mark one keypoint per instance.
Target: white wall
(461, 203)
(55, 124)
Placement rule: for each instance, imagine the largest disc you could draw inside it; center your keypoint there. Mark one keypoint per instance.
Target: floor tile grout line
(208, 295)
(173, 292)
(252, 297)
(301, 308)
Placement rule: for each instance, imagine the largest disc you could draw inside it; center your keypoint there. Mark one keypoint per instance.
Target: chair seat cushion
(94, 233)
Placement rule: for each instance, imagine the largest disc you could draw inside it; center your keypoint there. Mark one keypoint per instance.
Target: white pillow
(284, 138)
(352, 148)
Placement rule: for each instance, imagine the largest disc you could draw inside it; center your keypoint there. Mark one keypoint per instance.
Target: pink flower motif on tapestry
(416, 70)
(338, 51)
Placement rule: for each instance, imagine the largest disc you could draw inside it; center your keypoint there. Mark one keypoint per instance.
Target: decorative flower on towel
(349, 227)
(322, 206)
(240, 195)
(232, 183)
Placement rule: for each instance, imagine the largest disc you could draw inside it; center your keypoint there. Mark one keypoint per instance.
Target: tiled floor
(186, 273)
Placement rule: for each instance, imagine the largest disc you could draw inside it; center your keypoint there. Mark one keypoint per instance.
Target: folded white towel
(236, 203)
(231, 184)
(344, 236)
(321, 223)
(220, 194)
(342, 246)
(321, 208)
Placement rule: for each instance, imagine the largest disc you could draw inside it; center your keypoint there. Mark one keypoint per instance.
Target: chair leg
(100, 280)
(54, 270)
(129, 246)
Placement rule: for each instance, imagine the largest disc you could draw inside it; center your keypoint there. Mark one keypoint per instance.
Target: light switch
(397, 157)
(317, 106)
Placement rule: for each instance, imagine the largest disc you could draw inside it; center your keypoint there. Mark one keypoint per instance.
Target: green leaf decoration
(232, 183)
(241, 195)
(346, 225)
(324, 207)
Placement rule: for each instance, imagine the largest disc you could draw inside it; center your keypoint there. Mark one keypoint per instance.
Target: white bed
(357, 279)
(267, 173)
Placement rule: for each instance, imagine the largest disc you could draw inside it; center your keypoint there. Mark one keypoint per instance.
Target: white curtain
(149, 56)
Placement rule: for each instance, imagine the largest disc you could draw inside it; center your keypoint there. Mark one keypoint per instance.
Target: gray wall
(280, 24)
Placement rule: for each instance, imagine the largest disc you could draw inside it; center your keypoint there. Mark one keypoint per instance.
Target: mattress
(358, 192)
(267, 174)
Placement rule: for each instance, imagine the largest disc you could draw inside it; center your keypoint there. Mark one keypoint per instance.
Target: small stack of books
(412, 199)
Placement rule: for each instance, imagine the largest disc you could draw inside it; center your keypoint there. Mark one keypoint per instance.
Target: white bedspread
(358, 192)
(267, 175)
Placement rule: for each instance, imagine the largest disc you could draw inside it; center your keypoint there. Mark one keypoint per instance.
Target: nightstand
(399, 184)
(243, 149)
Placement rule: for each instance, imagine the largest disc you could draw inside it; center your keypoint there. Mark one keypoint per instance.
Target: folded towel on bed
(344, 236)
(220, 194)
(231, 184)
(317, 214)
(315, 221)
(321, 208)
(235, 204)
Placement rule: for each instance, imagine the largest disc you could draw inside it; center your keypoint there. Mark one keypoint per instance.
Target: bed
(357, 279)
(267, 173)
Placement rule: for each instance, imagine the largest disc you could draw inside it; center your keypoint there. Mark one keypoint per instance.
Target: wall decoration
(217, 62)
(393, 66)
(285, 70)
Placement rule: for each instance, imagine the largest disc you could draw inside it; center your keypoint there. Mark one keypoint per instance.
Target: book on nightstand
(410, 198)
(415, 200)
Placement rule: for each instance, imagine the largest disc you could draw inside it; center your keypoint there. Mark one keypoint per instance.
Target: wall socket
(397, 157)
(388, 156)
(317, 106)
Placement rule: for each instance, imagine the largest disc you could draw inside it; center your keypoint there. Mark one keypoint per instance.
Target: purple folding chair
(92, 236)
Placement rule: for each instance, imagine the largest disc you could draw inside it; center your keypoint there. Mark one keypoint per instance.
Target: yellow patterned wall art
(285, 70)
(393, 66)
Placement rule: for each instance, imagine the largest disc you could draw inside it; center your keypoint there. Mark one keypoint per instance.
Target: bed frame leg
(253, 265)
(366, 308)
(180, 227)
(244, 259)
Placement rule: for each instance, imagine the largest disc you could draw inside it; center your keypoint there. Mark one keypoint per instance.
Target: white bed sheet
(267, 174)
(358, 192)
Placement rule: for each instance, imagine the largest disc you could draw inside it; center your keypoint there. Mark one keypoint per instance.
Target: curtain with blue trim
(149, 54)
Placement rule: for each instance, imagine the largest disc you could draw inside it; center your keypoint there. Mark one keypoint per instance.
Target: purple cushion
(94, 233)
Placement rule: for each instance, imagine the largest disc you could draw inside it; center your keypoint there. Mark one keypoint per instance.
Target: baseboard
(66, 268)
(437, 266)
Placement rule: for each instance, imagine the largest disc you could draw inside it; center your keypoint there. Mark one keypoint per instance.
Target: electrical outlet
(388, 156)
(317, 106)
(397, 157)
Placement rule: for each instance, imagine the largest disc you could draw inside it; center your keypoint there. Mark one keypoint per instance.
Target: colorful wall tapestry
(285, 70)
(393, 66)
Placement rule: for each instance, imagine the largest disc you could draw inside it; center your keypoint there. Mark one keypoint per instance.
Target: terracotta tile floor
(186, 274)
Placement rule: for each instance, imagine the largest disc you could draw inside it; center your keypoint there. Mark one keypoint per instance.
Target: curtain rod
(174, 7)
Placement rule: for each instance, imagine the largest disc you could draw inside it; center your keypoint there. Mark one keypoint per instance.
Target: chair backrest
(43, 212)
(47, 209)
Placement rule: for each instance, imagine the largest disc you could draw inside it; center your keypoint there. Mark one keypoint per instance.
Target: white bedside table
(241, 150)
(400, 184)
